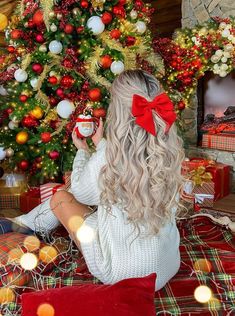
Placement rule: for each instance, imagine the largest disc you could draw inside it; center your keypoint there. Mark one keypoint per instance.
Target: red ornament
(95, 94)
(23, 98)
(68, 29)
(9, 111)
(39, 38)
(130, 40)
(106, 61)
(67, 63)
(16, 34)
(60, 92)
(52, 80)
(119, 11)
(28, 121)
(84, 4)
(99, 112)
(11, 49)
(122, 2)
(53, 155)
(38, 68)
(38, 17)
(181, 105)
(115, 34)
(45, 137)
(106, 18)
(53, 101)
(67, 81)
(30, 24)
(23, 165)
(80, 29)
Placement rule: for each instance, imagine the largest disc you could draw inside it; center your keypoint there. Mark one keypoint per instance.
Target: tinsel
(59, 129)
(98, 4)
(51, 116)
(47, 6)
(26, 62)
(42, 97)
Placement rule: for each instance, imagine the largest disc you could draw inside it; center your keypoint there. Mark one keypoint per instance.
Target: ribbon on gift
(200, 175)
(200, 197)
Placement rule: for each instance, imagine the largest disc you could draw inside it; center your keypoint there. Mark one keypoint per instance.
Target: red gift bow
(142, 110)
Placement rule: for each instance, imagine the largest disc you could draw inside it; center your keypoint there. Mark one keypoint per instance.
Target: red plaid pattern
(219, 141)
(9, 201)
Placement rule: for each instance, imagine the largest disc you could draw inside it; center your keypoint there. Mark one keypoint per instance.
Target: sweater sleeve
(85, 174)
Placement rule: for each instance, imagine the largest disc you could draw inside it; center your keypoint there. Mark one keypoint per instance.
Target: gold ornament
(22, 137)
(98, 4)
(76, 11)
(3, 21)
(9, 152)
(37, 112)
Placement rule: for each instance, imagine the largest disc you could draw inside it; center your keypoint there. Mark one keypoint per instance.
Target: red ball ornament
(60, 92)
(23, 165)
(67, 63)
(39, 38)
(115, 34)
(11, 49)
(52, 80)
(130, 40)
(38, 17)
(30, 24)
(53, 101)
(95, 94)
(122, 2)
(45, 137)
(16, 34)
(9, 111)
(181, 105)
(106, 61)
(28, 121)
(106, 18)
(84, 4)
(38, 68)
(68, 29)
(23, 98)
(53, 155)
(99, 112)
(80, 29)
(67, 81)
(119, 11)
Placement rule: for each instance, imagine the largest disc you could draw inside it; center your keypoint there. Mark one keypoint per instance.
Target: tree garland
(192, 52)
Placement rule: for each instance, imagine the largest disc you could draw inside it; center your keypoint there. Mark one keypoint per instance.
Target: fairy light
(75, 222)
(202, 294)
(45, 309)
(48, 254)
(85, 234)
(32, 243)
(28, 261)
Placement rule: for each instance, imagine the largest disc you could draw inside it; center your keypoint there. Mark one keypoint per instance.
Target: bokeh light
(6, 295)
(75, 222)
(85, 234)
(28, 261)
(31, 243)
(202, 265)
(48, 254)
(214, 304)
(202, 294)
(45, 310)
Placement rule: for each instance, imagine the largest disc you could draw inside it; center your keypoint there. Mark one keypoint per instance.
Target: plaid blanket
(201, 240)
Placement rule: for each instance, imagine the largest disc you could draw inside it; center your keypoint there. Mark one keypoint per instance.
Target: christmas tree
(61, 59)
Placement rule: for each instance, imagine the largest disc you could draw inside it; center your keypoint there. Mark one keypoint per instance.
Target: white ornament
(55, 47)
(228, 26)
(12, 125)
(222, 73)
(224, 67)
(141, 27)
(53, 27)
(228, 47)
(225, 33)
(20, 75)
(117, 67)
(96, 25)
(133, 14)
(2, 153)
(3, 91)
(65, 108)
(43, 48)
(34, 82)
(219, 53)
(227, 55)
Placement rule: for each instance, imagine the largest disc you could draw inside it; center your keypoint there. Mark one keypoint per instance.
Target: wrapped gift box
(219, 141)
(12, 184)
(10, 201)
(48, 189)
(193, 163)
(30, 199)
(199, 195)
(67, 180)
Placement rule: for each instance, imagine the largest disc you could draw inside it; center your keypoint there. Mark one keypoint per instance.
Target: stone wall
(199, 11)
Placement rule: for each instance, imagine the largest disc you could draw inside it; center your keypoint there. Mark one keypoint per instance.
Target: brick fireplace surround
(193, 12)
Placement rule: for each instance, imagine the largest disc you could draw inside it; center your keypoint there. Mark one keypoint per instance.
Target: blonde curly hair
(143, 172)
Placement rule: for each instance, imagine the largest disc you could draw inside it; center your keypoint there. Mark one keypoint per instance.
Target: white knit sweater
(117, 252)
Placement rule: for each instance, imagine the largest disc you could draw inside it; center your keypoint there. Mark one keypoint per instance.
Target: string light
(202, 294)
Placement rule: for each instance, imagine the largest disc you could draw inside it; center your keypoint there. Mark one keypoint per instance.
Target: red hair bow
(142, 111)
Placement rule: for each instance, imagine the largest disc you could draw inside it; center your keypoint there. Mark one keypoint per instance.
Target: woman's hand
(78, 142)
(96, 138)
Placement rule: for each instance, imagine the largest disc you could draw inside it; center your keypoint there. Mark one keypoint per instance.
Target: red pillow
(131, 297)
